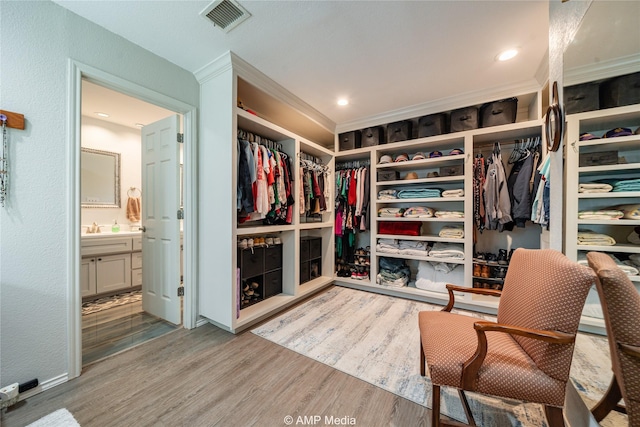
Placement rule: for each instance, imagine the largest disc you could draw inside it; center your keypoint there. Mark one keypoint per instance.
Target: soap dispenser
(115, 227)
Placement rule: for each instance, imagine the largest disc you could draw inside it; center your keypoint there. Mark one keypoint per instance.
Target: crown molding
(214, 68)
(441, 105)
(261, 81)
(542, 73)
(602, 70)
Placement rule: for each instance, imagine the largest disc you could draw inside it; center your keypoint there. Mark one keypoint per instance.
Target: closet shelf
(609, 221)
(617, 168)
(314, 225)
(441, 179)
(427, 238)
(264, 229)
(622, 248)
(433, 219)
(610, 195)
(428, 200)
(426, 163)
(419, 258)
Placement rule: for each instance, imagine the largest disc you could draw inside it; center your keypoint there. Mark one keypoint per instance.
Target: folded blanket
(387, 194)
(447, 250)
(387, 249)
(397, 283)
(389, 246)
(453, 193)
(629, 211)
(593, 187)
(412, 244)
(419, 193)
(390, 212)
(588, 237)
(628, 269)
(452, 232)
(419, 212)
(627, 185)
(634, 236)
(449, 214)
(601, 214)
(432, 278)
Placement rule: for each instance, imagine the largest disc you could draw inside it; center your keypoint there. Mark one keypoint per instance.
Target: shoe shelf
(263, 229)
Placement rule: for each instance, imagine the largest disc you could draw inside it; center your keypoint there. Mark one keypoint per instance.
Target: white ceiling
(382, 55)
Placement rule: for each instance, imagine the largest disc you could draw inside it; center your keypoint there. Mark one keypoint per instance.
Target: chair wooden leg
(435, 406)
(608, 402)
(467, 409)
(422, 361)
(554, 416)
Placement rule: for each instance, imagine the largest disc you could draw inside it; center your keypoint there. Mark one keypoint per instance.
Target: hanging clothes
(496, 195)
(519, 181)
(312, 192)
(478, 190)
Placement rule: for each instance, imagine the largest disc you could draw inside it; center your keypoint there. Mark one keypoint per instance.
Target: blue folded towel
(419, 193)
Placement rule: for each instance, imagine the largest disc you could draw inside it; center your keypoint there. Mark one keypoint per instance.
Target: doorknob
(143, 228)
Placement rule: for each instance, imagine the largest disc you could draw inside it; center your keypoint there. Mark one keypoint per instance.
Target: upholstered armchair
(525, 355)
(621, 308)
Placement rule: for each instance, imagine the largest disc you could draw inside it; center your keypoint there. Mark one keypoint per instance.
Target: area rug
(59, 418)
(375, 338)
(95, 306)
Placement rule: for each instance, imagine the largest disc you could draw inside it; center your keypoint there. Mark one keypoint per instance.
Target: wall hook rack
(11, 120)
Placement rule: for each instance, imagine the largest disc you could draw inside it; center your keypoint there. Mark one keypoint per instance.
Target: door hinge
(180, 291)
(180, 213)
(181, 137)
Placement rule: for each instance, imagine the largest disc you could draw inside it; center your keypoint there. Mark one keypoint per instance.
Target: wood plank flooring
(208, 377)
(110, 331)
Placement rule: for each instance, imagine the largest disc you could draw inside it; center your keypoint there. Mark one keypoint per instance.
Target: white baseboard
(44, 385)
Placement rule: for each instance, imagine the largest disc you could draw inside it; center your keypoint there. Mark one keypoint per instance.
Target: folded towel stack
(447, 250)
(413, 247)
(390, 212)
(433, 276)
(605, 214)
(453, 193)
(449, 214)
(389, 246)
(594, 187)
(419, 193)
(629, 211)
(588, 237)
(629, 270)
(627, 185)
(387, 194)
(452, 232)
(419, 212)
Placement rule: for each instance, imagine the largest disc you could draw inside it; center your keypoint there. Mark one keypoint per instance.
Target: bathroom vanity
(111, 262)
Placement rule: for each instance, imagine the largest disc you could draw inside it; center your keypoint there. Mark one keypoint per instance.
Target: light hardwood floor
(208, 377)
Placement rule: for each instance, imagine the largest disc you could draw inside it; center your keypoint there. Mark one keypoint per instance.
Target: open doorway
(117, 270)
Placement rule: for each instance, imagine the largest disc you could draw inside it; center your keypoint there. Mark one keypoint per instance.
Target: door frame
(77, 71)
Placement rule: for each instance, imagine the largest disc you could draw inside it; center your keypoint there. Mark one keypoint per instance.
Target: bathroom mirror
(99, 179)
(607, 43)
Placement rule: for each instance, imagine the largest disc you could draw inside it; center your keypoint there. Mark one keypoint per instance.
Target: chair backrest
(621, 308)
(545, 290)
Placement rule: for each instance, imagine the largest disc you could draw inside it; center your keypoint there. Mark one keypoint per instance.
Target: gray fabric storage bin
(372, 136)
(349, 140)
(581, 98)
(464, 119)
(619, 91)
(432, 124)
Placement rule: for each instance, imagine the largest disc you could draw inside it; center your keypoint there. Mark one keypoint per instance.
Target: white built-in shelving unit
(628, 147)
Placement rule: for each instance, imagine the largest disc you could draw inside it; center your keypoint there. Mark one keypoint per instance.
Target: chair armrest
(478, 291)
(630, 350)
(472, 366)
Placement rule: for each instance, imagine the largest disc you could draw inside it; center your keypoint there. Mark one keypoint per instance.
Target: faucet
(93, 228)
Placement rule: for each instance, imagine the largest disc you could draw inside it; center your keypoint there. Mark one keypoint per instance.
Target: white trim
(440, 105)
(602, 70)
(44, 386)
(77, 71)
(230, 60)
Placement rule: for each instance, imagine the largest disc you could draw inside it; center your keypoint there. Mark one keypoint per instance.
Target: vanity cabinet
(110, 264)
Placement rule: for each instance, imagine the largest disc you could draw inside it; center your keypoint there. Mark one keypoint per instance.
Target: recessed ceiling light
(102, 114)
(140, 125)
(507, 54)
(343, 102)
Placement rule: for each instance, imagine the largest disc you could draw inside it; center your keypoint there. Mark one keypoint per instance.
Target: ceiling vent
(225, 14)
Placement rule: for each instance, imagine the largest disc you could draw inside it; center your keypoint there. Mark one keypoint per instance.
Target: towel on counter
(133, 209)
(588, 237)
(419, 193)
(447, 250)
(430, 276)
(419, 212)
(449, 214)
(629, 270)
(594, 187)
(452, 232)
(605, 214)
(453, 193)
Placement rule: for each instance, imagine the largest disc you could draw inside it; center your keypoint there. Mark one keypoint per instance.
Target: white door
(161, 230)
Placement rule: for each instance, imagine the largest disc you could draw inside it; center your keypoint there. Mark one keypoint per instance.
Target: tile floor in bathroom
(110, 331)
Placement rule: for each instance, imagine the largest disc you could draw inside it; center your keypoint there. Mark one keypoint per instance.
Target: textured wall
(38, 38)
(564, 20)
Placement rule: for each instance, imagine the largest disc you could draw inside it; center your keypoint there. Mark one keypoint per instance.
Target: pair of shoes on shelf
(502, 257)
